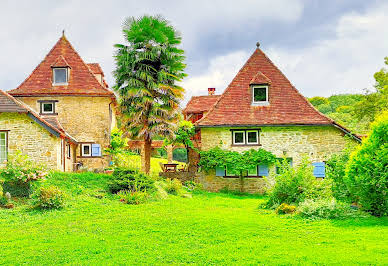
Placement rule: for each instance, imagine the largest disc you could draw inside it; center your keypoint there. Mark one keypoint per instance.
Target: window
(252, 137)
(253, 171)
(68, 149)
(245, 137)
(86, 150)
(319, 170)
(60, 76)
(90, 150)
(260, 95)
(3, 146)
(229, 172)
(239, 137)
(47, 107)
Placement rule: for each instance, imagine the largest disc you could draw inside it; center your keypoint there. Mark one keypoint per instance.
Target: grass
(134, 161)
(209, 228)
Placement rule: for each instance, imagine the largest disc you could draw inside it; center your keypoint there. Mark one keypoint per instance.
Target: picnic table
(170, 167)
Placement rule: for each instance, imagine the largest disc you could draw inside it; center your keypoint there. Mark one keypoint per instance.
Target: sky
(323, 47)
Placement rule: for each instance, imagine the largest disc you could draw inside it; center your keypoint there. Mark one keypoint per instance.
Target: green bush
(131, 180)
(19, 173)
(133, 197)
(367, 171)
(49, 198)
(173, 187)
(325, 209)
(295, 184)
(284, 208)
(335, 172)
(193, 186)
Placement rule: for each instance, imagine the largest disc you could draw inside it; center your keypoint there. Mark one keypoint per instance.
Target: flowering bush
(133, 197)
(19, 172)
(173, 187)
(284, 208)
(49, 198)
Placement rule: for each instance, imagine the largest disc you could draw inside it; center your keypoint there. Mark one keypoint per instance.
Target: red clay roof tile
(95, 68)
(199, 104)
(81, 81)
(286, 104)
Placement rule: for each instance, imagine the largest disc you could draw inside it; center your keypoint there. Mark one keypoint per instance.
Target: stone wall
(317, 142)
(32, 139)
(87, 119)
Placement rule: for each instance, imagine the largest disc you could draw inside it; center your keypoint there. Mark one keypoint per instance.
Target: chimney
(211, 91)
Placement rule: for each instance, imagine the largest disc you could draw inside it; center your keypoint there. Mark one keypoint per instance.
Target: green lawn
(206, 229)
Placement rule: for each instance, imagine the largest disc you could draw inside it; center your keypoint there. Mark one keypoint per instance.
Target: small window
(68, 147)
(253, 171)
(3, 147)
(260, 95)
(239, 137)
(86, 150)
(60, 76)
(47, 108)
(253, 137)
(229, 172)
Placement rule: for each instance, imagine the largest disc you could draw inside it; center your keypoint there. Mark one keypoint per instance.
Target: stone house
(61, 115)
(262, 109)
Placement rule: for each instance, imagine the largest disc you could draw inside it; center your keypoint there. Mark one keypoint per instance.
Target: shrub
(193, 186)
(367, 171)
(325, 209)
(131, 180)
(295, 184)
(133, 197)
(173, 187)
(284, 208)
(49, 198)
(335, 171)
(19, 173)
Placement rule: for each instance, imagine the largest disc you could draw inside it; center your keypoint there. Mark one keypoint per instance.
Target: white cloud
(219, 74)
(343, 64)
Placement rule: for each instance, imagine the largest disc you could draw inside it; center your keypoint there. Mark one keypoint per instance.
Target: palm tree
(147, 69)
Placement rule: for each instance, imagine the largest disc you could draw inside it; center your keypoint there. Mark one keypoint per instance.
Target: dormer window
(60, 76)
(260, 95)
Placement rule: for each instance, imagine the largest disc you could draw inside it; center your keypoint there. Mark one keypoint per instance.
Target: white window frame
(48, 112)
(90, 150)
(67, 76)
(68, 147)
(260, 103)
(257, 137)
(234, 137)
(5, 146)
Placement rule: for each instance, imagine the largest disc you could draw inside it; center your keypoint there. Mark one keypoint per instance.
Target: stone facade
(32, 139)
(317, 142)
(87, 119)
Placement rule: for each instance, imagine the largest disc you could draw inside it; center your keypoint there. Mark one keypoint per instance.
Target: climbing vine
(237, 162)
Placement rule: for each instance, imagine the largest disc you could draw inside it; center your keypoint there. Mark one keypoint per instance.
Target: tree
(367, 170)
(147, 69)
(374, 102)
(183, 135)
(117, 144)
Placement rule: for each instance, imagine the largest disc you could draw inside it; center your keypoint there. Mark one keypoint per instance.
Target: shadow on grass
(370, 221)
(231, 194)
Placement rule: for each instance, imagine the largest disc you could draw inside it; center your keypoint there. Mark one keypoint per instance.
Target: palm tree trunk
(146, 156)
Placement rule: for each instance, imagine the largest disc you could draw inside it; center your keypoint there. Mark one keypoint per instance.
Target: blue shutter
(319, 169)
(263, 170)
(96, 150)
(220, 171)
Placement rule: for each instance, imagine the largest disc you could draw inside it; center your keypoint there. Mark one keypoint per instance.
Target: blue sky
(323, 47)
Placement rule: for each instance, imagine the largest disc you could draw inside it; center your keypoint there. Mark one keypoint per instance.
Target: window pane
(60, 75)
(252, 137)
(229, 171)
(48, 108)
(252, 171)
(239, 137)
(86, 149)
(259, 94)
(3, 147)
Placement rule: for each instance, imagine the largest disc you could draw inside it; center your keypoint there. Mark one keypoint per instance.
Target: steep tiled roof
(286, 105)
(260, 78)
(199, 104)
(9, 104)
(81, 80)
(95, 68)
